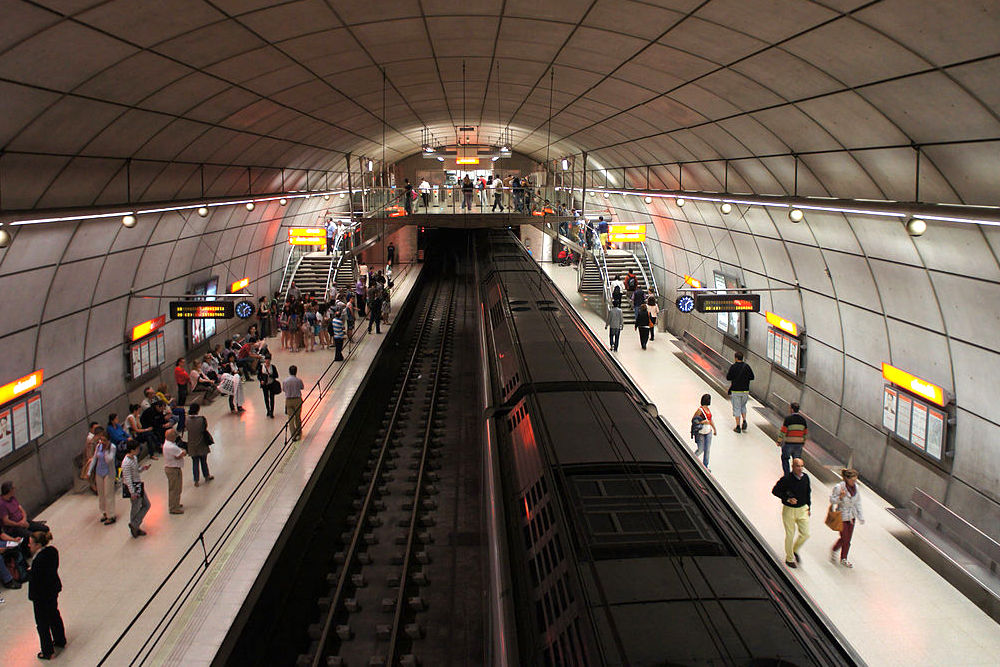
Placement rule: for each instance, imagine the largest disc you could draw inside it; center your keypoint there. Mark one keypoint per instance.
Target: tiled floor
(891, 607)
(107, 576)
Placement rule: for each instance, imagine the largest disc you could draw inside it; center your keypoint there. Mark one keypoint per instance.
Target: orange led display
(238, 285)
(693, 282)
(779, 322)
(20, 387)
(626, 233)
(918, 386)
(148, 327)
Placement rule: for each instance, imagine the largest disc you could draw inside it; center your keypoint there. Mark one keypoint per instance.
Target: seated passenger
(15, 557)
(14, 520)
(199, 382)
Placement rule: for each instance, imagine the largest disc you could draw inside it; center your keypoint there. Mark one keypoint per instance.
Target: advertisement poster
(903, 417)
(146, 361)
(889, 408)
(20, 418)
(784, 350)
(793, 355)
(6, 433)
(161, 350)
(136, 359)
(935, 433)
(770, 344)
(35, 417)
(918, 425)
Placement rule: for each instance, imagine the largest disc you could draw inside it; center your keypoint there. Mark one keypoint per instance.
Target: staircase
(592, 282)
(311, 274)
(620, 262)
(345, 274)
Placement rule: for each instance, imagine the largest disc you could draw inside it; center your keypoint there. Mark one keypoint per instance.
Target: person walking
(846, 498)
(468, 189)
(739, 375)
(133, 488)
(270, 385)
(331, 235)
(631, 283)
(615, 323)
(339, 333)
(654, 312)
(794, 491)
(103, 466)
(293, 386)
(173, 465)
(425, 193)
(642, 324)
(408, 197)
(794, 431)
(375, 308)
(495, 185)
(705, 428)
(199, 443)
(43, 591)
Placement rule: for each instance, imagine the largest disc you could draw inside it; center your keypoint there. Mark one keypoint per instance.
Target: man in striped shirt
(339, 332)
(132, 482)
(794, 432)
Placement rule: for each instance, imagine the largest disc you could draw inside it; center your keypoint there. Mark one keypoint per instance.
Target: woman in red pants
(846, 498)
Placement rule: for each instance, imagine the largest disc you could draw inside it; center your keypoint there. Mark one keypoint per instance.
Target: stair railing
(296, 254)
(600, 258)
(650, 280)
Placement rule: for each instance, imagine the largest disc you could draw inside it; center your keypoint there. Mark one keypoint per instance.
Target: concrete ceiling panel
(865, 335)
(105, 329)
(853, 280)
(19, 106)
(970, 170)
(976, 378)
(781, 71)
(404, 37)
(278, 80)
(152, 267)
(776, 261)
(520, 37)
(971, 308)
(958, 249)
(923, 353)
(173, 182)
(66, 126)
(103, 376)
(871, 56)
(457, 36)
(128, 133)
(837, 171)
(704, 102)
(771, 20)
(886, 169)
(220, 107)
(365, 11)
(832, 231)
(714, 42)
(245, 66)
(285, 21)
(21, 295)
(145, 72)
(676, 63)
(795, 129)
(907, 294)
(60, 415)
(149, 23)
(917, 105)
(60, 343)
(165, 144)
(78, 181)
(211, 44)
(599, 50)
(976, 466)
(323, 43)
(116, 276)
(184, 94)
(51, 58)
(30, 20)
(633, 18)
(825, 370)
(884, 238)
(810, 269)
(24, 178)
(822, 318)
(91, 240)
(739, 90)
(547, 11)
(759, 223)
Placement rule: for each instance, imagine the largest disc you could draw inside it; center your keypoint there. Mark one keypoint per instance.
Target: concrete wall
(866, 293)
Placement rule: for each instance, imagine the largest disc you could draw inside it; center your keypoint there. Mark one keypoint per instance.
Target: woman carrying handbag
(703, 428)
(846, 498)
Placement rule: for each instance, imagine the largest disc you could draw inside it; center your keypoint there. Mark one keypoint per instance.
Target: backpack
(616, 295)
(632, 283)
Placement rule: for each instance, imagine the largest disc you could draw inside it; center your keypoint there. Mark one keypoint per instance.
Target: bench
(823, 453)
(705, 361)
(961, 553)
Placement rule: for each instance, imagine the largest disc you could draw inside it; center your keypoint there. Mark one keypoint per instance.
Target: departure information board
(727, 303)
(201, 310)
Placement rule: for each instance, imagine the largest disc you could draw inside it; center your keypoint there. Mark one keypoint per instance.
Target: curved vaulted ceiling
(86, 84)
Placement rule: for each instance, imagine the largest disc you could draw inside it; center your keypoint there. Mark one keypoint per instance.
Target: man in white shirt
(173, 464)
(425, 192)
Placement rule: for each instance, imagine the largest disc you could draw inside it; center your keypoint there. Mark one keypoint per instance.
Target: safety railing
(154, 619)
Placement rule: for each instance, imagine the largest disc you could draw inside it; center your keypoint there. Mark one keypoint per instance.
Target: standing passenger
(705, 430)
(43, 591)
(642, 324)
(654, 312)
(199, 443)
(794, 491)
(425, 193)
(337, 323)
(182, 379)
(133, 486)
(846, 498)
(468, 189)
(267, 374)
(408, 197)
(615, 323)
(740, 375)
(293, 387)
(794, 431)
(173, 463)
(103, 466)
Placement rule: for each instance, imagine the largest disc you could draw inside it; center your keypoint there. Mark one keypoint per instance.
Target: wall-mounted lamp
(371, 166)
(283, 201)
(4, 238)
(726, 208)
(648, 200)
(916, 227)
(250, 206)
(129, 221)
(681, 201)
(796, 215)
(203, 211)
(565, 164)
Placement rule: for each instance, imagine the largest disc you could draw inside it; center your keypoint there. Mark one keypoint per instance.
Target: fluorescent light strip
(168, 209)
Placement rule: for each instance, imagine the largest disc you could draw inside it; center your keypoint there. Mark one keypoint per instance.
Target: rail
(650, 278)
(201, 553)
(602, 265)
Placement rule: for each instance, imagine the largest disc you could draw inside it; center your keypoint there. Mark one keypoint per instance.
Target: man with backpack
(631, 283)
(617, 288)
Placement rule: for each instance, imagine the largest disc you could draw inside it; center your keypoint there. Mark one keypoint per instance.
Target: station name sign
(727, 303)
(201, 310)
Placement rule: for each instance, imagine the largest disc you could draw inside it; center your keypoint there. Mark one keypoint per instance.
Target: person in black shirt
(794, 491)
(43, 591)
(740, 374)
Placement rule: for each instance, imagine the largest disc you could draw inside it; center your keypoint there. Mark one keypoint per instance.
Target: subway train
(609, 543)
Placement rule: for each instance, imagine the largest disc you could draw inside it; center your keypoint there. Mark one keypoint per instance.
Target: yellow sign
(780, 322)
(918, 386)
(12, 390)
(693, 282)
(238, 285)
(467, 160)
(148, 327)
(306, 236)
(626, 233)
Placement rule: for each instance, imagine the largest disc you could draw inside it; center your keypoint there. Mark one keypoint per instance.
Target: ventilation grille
(510, 386)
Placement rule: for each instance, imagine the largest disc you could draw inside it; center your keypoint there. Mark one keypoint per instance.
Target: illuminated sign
(779, 322)
(201, 310)
(238, 285)
(625, 233)
(693, 282)
(148, 327)
(912, 383)
(20, 387)
(306, 236)
(727, 303)
(467, 160)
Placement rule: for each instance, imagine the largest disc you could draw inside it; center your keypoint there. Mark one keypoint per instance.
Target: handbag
(834, 519)
(138, 492)
(704, 428)
(209, 438)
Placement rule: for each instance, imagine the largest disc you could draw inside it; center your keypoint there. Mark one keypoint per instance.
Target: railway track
(391, 595)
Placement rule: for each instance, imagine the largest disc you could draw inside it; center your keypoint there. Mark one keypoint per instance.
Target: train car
(619, 549)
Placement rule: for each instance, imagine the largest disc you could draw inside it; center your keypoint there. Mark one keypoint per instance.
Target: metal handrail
(603, 266)
(650, 279)
(209, 553)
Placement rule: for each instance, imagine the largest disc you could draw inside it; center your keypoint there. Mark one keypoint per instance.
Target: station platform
(891, 607)
(108, 576)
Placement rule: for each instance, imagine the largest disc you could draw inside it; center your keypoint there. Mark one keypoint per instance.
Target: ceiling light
(916, 226)
(440, 159)
(203, 211)
(327, 197)
(504, 149)
(250, 206)
(494, 158)
(371, 166)
(565, 164)
(428, 149)
(606, 195)
(283, 201)
(726, 208)
(648, 200)
(4, 238)
(680, 201)
(129, 221)
(796, 215)
(342, 195)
